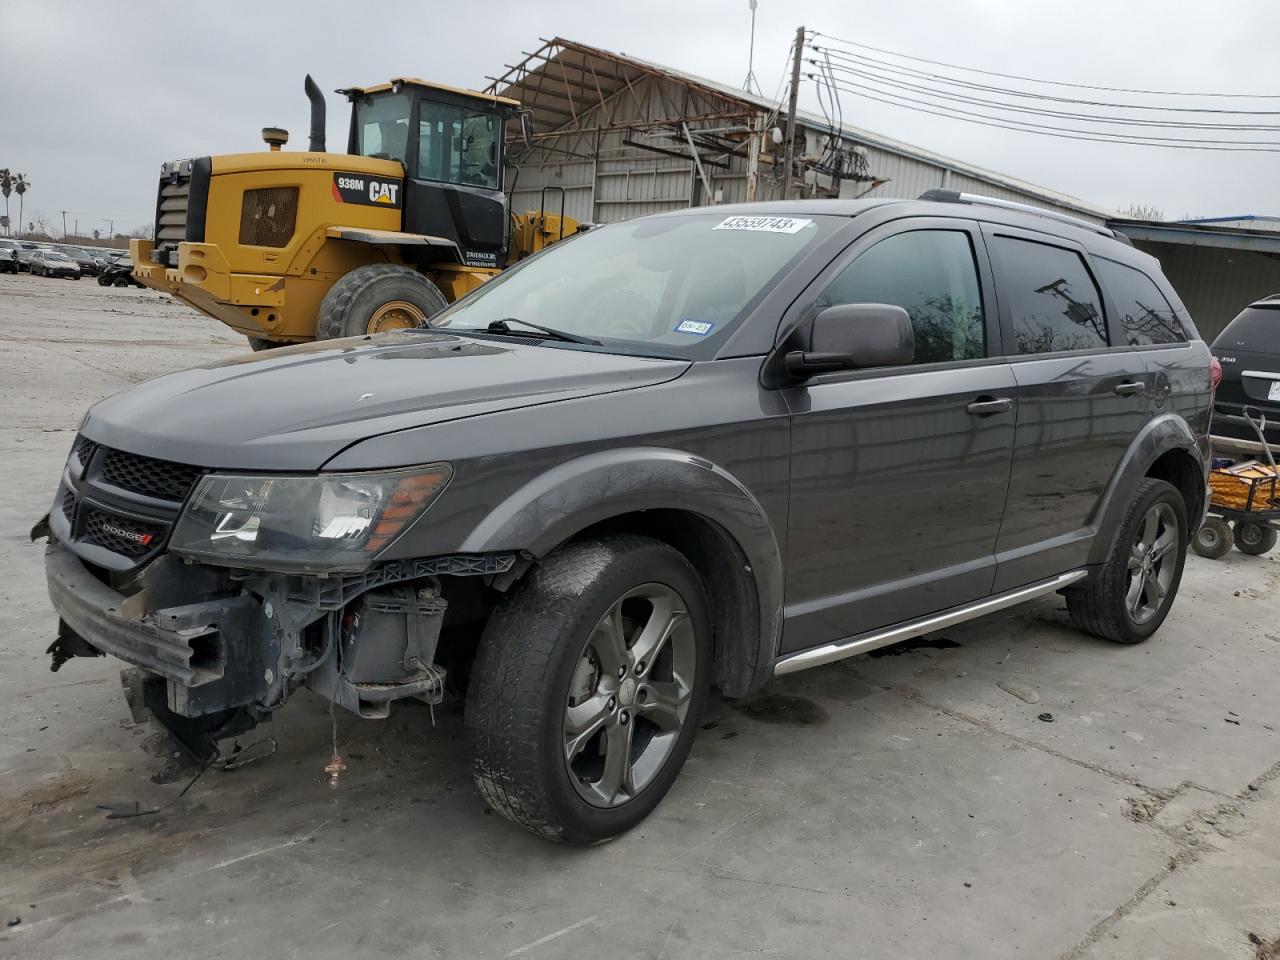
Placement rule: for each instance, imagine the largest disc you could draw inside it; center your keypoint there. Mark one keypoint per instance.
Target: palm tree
(20, 186)
(6, 187)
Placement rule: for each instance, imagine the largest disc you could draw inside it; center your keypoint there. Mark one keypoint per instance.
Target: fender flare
(587, 490)
(1163, 433)
(440, 248)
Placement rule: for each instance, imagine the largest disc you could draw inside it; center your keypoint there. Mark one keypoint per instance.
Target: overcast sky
(96, 94)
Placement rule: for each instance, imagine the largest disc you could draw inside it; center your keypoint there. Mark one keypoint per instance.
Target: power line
(1062, 133)
(1045, 111)
(1056, 83)
(866, 62)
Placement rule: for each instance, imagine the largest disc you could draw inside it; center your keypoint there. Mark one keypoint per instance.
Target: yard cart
(1244, 504)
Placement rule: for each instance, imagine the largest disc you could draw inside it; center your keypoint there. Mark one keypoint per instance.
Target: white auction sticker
(763, 224)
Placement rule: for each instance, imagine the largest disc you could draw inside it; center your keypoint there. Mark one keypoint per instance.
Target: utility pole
(751, 81)
(64, 225)
(789, 153)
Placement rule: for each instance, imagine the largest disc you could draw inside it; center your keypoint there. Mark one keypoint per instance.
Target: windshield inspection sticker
(763, 224)
(699, 328)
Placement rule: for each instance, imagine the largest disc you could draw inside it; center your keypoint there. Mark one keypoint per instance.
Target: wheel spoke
(1133, 596)
(1166, 542)
(664, 619)
(1153, 591)
(1150, 529)
(663, 703)
(610, 642)
(616, 778)
(582, 722)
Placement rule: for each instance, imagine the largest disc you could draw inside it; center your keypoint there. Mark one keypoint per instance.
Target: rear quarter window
(1255, 330)
(1145, 315)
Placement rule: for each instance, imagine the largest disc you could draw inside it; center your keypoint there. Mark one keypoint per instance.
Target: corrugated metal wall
(1215, 284)
(628, 181)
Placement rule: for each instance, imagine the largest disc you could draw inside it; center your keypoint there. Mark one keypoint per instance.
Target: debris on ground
(1265, 949)
(1046, 717)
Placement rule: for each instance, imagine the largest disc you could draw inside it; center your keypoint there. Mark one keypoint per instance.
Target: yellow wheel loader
(287, 247)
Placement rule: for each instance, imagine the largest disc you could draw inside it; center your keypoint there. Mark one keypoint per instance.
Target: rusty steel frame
(578, 90)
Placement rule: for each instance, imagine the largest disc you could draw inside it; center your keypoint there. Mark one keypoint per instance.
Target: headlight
(332, 522)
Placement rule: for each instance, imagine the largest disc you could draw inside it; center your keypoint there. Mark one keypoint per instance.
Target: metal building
(1218, 265)
(618, 137)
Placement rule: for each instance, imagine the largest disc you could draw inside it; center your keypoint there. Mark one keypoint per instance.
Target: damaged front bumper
(225, 648)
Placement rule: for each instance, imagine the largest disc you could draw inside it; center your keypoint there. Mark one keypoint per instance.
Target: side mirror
(526, 127)
(852, 335)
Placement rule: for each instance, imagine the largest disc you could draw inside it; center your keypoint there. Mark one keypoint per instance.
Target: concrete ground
(1009, 788)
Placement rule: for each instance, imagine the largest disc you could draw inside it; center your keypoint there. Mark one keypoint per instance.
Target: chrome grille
(160, 479)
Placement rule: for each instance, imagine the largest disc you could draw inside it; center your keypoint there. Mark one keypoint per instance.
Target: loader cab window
(458, 144)
(382, 126)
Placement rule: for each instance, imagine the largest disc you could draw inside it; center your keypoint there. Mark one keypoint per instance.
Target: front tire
(587, 687)
(1129, 597)
(376, 298)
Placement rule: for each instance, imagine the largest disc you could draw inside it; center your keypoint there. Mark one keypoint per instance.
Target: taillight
(1215, 372)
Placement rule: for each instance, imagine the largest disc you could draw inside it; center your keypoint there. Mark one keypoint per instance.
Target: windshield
(664, 286)
(458, 145)
(382, 126)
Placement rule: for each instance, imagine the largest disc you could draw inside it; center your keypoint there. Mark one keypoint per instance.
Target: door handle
(1130, 388)
(986, 406)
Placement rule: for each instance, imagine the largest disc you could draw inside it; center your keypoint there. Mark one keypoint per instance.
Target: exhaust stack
(317, 115)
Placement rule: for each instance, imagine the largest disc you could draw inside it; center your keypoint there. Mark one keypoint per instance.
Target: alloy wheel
(629, 695)
(1152, 563)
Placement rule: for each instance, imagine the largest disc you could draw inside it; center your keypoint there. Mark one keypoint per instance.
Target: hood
(296, 407)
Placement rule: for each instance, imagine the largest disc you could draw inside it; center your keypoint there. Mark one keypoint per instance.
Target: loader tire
(375, 298)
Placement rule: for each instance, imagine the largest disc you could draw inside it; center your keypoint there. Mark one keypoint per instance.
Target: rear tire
(1254, 539)
(1129, 597)
(375, 298)
(579, 717)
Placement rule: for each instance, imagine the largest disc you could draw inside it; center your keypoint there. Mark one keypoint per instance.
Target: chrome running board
(831, 652)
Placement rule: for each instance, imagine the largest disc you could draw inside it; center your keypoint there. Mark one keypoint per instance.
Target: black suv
(698, 449)
(1249, 351)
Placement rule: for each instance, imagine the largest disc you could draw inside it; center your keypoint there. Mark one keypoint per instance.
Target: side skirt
(851, 646)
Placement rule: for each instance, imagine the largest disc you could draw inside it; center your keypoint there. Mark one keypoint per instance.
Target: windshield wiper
(503, 326)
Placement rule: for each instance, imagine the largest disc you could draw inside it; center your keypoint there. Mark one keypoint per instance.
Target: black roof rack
(955, 196)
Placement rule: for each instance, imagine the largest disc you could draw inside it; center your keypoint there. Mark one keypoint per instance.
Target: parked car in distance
(52, 263)
(1249, 351)
(88, 265)
(8, 260)
(26, 249)
(119, 273)
(702, 448)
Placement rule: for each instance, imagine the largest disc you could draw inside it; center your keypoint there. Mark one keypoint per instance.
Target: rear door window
(1054, 305)
(932, 275)
(1145, 314)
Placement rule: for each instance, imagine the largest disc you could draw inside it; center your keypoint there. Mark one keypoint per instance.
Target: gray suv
(699, 449)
